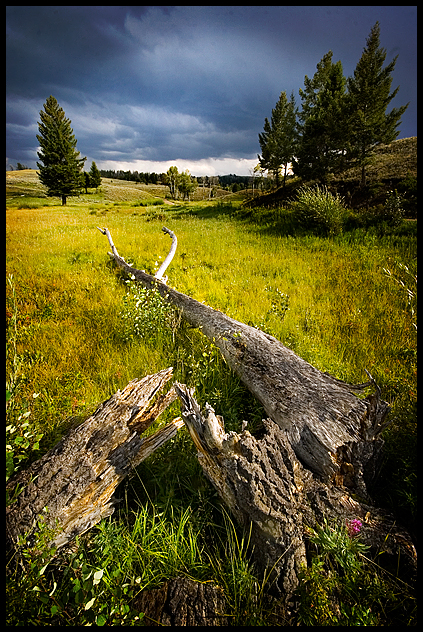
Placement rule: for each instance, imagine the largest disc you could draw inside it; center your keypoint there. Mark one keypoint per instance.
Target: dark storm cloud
(189, 83)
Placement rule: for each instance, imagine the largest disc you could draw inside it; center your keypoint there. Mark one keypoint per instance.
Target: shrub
(408, 187)
(320, 210)
(393, 210)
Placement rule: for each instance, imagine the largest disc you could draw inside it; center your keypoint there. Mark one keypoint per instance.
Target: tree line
(225, 182)
(340, 123)
(132, 176)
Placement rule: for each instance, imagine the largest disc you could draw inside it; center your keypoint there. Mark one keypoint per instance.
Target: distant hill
(25, 183)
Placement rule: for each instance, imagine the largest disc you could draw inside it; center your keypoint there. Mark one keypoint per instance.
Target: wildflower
(354, 527)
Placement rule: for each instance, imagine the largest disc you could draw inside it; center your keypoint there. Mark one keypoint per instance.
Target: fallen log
(76, 479)
(331, 430)
(320, 445)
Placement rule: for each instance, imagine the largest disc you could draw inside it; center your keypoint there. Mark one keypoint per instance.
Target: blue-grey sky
(148, 87)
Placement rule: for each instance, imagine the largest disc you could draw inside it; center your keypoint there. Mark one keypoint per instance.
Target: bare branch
(160, 272)
(114, 253)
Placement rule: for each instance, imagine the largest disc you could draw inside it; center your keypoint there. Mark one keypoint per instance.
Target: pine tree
(322, 124)
(278, 139)
(61, 166)
(85, 180)
(95, 176)
(368, 98)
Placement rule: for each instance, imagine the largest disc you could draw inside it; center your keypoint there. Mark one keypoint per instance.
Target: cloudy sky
(149, 87)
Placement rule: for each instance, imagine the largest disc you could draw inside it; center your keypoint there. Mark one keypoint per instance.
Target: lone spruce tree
(61, 167)
(278, 139)
(322, 124)
(368, 98)
(95, 176)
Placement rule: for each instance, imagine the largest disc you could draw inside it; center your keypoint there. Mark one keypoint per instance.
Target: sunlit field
(344, 303)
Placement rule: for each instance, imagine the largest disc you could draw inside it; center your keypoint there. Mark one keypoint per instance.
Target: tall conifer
(61, 166)
(95, 176)
(368, 98)
(278, 139)
(322, 123)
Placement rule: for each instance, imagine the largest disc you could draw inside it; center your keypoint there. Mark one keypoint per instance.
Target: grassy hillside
(392, 166)
(343, 303)
(26, 184)
(390, 162)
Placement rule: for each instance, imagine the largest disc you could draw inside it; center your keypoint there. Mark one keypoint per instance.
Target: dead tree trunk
(264, 484)
(76, 479)
(327, 425)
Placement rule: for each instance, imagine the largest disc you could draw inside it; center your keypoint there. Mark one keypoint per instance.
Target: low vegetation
(77, 331)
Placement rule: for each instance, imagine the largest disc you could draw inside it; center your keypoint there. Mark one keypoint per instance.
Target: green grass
(330, 299)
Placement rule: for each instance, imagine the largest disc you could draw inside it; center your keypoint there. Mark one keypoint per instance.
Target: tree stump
(183, 601)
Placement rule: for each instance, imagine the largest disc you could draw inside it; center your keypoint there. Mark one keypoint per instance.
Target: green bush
(320, 210)
(393, 210)
(408, 188)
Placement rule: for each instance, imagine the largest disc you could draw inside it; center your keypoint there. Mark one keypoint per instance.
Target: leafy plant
(394, 208)
(146, 315)
(20, 440)
(68, 592)
(342, 586)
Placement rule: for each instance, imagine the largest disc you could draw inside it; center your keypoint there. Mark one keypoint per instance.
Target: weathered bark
(326, 423)
(76, 479)
(263, 483)
(183, 602)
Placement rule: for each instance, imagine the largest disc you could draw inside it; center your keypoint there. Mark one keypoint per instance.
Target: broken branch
(76, 479)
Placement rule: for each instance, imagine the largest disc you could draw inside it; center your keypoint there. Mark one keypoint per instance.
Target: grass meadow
(344, 303)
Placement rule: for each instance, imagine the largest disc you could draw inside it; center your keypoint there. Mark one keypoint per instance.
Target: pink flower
(354, 527)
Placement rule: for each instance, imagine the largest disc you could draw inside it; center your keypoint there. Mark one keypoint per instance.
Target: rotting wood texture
(183, 602)
(76, 479)
(264, 485)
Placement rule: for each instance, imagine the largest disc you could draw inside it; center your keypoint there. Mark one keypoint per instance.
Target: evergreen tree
(61, 166)
(323, 127)
(368, 98)
(95, 176)
(278, 139)
(86, 181)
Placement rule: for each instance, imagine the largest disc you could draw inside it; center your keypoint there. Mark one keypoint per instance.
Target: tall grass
(329, 299)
